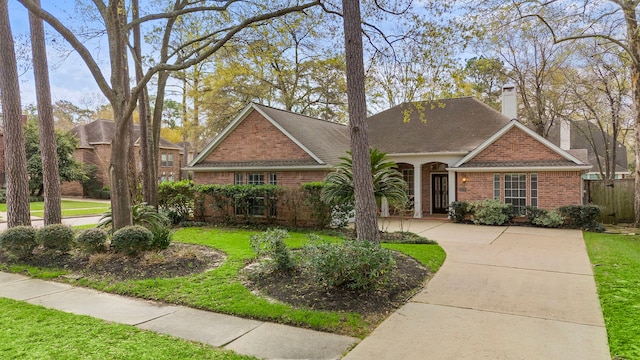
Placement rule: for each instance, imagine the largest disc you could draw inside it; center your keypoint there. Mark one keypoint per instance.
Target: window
(255, 179)
(515, 191)
(166, 160)
(239, 179)
(407, 176)
(496, 186)
(534, 189)
(170, 178)
(273, 179)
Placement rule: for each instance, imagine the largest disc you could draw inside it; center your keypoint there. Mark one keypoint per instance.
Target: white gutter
(257, 168)
(521, 168)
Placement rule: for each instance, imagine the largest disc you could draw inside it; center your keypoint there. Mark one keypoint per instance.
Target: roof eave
(258, 168)
(520, 168)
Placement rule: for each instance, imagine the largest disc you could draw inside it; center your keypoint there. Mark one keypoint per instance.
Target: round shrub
(55, 237)
(131, 240)
(162, 237)
(18, 241)
(92, 240)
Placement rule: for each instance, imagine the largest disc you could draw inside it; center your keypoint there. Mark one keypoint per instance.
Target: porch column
(452, 186)
(417, 190)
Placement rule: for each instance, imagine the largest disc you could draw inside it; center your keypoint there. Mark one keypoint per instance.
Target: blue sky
(70, 78)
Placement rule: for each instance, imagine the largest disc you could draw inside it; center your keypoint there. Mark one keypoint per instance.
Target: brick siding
(516, 145)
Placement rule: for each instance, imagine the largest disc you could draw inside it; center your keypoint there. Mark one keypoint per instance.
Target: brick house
(447, 150)
(95, 148)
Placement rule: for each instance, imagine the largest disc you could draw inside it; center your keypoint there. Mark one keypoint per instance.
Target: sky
(70, 78)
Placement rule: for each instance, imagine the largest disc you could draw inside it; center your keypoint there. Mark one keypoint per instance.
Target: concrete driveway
(502, 293)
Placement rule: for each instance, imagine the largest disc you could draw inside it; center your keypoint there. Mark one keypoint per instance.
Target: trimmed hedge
(132, 240)
(57, 237)
(92, 240)
(19, 241)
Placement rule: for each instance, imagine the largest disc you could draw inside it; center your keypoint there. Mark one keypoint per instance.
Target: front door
(440, 193)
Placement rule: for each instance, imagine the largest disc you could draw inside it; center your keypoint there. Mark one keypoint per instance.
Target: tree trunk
(365, 206)
(49, 154)
(119, 166)
(15, 156)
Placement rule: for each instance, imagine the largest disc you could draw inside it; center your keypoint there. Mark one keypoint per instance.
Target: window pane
(515, 192)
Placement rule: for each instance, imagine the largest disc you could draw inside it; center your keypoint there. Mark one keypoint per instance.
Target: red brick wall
(516, 145)
(256, 138)
(555, 188)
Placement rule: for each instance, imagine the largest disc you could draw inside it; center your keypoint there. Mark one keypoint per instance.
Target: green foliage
(583, 217)
(271, 244)
(91, 185)
(458, 210)
(544, 218)
(176, 199)
(132, 240)
(143, 214)
(70, 169)
(238, 199)
(491, 212)
(18, 241)
(162, 237)
(3, 196)
(356, 265)
(92, 240)
(387, 181)
(56, 237)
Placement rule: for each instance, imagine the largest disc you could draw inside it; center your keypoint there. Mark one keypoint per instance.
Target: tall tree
(113, 14)
(365, 202)
(15, 158)
(50, 173)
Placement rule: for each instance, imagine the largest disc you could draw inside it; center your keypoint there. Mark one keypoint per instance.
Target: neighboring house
(95, 148)
(588, 136)
(447, 150)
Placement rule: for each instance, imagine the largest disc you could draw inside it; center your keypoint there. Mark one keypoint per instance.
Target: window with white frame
(407, 176)
(533, 192)
(273, 179)
(166, 160)
(515, 191)
(255, 179)
(496, 186)
(238, 179)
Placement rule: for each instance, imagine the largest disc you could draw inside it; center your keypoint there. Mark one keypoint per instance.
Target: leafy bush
(143, 214)
(491, 212)
(92, 240)
(176, 199)
(162, 237)
(356, 265)
(3, 196)
(341, 214)
(18, 241)
(271, 244)
(55, 237)
(320, 210)
(458, 210)
(550, 219)
(583, 217)
(131, 240)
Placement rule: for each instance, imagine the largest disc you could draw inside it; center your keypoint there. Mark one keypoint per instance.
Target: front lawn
(34, 332)
(223, 289)
(69, 208)
(616, 265)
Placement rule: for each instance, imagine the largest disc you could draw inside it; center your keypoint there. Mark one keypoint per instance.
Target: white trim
(521, 168)
(529, 132)
(257, 168)
(430, 154)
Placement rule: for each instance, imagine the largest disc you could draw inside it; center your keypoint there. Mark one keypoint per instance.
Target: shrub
(143, 214)
(131, 240)
(176, 199)
(3, 196)
(341, 214)
(271, 244)
(162, 237)
(18, 241)
(550, 219)
(55, 237)
(491, 212)
(320, 211)
(458, 210)
(92, 240)
(354, 264)
(583, 217)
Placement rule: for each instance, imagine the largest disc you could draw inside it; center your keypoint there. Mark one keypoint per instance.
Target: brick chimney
(510, 101)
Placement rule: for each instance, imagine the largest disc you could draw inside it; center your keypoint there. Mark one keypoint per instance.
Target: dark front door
(440, 193)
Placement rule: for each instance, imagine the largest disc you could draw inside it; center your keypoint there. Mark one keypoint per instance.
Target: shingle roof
(326, 140)
(450, 125)
(255, 163)
(102, 131)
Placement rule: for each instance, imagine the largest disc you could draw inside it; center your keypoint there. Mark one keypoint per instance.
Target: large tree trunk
(366, 209)
(49, 155)
(15, 157)
(120, 146)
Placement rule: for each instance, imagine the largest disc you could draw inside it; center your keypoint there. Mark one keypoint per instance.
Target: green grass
(33, 332)
(616, 260)
(69, 208)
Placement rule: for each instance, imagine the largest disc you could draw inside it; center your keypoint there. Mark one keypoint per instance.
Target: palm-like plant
(143, 214)
(387, 181)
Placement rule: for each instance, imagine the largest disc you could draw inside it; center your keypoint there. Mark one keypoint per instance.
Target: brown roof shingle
(102, 131)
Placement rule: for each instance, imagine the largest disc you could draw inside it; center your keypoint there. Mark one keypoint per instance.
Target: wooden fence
(614, 196)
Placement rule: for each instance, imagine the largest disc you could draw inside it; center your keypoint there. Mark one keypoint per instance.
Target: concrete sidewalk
(503, 293)
(72, 221)
(244, 336)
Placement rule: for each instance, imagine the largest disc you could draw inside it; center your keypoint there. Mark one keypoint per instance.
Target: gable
(516, 146)
(256, 138)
